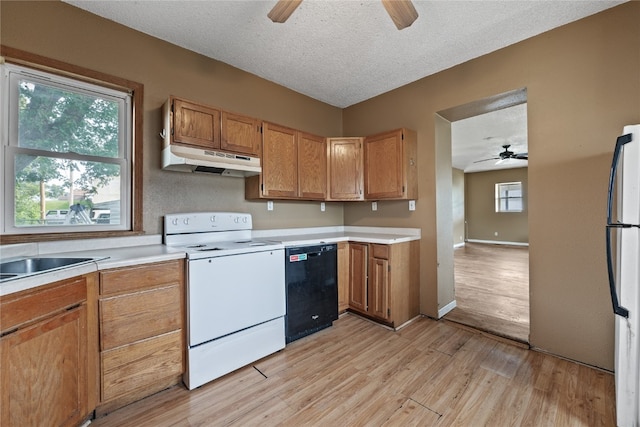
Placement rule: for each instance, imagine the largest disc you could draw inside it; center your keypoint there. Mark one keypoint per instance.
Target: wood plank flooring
(492, 289)
(356, 373)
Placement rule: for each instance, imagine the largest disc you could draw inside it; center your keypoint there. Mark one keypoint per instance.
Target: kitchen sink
(26, 266)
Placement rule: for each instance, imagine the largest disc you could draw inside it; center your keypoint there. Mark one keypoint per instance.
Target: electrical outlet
(374, 206)
(495, 233)
(412, 205)
(322, 207)
(270, 205)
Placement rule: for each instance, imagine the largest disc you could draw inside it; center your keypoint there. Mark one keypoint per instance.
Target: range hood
(188, 159)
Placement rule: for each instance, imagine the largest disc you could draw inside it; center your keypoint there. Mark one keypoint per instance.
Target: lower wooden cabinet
(384, 281)
(141, 331)
(48, 354)
(343, 276)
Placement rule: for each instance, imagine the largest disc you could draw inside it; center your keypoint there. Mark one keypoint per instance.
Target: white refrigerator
(623, 262)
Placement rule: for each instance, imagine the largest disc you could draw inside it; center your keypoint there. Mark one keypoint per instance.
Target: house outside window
(508, 196)
(67, 154)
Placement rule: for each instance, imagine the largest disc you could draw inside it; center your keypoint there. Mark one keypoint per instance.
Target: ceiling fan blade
(521, 156)
(486, 160)
(402, 12)
(283, 10)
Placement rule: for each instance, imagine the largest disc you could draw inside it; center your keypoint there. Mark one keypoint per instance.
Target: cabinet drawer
(132, 317)
(141, 277)
(380, 251)
(27, 306)
(140, 365)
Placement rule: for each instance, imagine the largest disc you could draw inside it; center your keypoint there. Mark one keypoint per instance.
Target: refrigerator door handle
(617, 308)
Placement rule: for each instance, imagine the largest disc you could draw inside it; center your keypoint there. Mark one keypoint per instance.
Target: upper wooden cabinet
(240, 134)
(390, 165)
(195, 124)
(279, 161)
(312, 167)
(294, 166)
(201, 126)
(345, 168)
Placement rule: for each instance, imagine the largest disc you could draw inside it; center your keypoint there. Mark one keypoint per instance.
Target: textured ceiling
(342, 52)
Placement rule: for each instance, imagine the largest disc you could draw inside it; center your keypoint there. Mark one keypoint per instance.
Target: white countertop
(123, 252)
(318, 235)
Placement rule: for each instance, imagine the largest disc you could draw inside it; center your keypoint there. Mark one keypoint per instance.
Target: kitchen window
(67, 154)
(509, 197)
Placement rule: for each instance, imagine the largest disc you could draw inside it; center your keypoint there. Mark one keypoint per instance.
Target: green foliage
(62, 121)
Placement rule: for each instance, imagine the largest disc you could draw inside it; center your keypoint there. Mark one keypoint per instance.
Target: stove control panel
(200, 222)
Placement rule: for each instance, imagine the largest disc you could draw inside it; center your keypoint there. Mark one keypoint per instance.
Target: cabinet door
(240, 134)
(345, 169)
(343, 276)
(358, 254)
(279, 161)
(383, 166)
(44, 372)
(196, 125)
(378, 288)
(312, 166)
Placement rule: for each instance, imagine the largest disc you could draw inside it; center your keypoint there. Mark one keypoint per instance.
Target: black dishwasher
(312, 289)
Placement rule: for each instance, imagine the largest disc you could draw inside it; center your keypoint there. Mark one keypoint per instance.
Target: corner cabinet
(345, 168)
(390, 165)
(384, 281)
(142, 341)
(294, 166)
(48, 353)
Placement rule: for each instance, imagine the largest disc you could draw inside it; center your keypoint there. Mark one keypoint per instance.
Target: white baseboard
(458, 245)
(497, 242)
(447, 308)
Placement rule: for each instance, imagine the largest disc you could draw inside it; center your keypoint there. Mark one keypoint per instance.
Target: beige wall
(582, 87)
(59, 31)
(457, 195)
(482, 219)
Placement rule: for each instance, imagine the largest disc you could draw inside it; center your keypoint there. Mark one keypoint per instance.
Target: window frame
(499, 198)
(109, 82)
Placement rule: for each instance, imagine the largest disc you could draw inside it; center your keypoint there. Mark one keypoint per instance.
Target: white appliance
(624, 273)
(235, 292)
(182, 158)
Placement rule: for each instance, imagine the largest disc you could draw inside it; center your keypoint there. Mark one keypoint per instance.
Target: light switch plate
(412, 205)
(270, 205)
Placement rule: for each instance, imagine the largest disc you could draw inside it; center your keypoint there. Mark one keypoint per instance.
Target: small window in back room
(509, 197)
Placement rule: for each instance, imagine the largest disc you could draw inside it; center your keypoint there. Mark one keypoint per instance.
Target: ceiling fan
(402, 12)
(507, 154)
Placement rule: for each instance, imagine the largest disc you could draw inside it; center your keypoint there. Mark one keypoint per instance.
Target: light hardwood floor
(356, 373)
(492, 289)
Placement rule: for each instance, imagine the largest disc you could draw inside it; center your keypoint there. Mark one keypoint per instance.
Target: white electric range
(235, 292)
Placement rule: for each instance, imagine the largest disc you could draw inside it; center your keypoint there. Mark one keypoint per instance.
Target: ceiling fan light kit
(402, 12)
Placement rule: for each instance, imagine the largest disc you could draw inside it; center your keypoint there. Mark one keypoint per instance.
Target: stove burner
(196, 246)
(208, 249)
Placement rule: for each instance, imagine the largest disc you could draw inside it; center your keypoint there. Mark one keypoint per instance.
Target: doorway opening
(489, 150)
